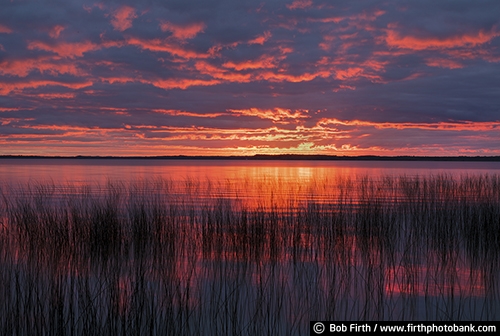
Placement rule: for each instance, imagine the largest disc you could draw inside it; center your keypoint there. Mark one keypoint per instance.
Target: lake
(244, 247)
(101, 170)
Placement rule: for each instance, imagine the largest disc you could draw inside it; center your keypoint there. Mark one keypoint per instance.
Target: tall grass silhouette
(211, 257)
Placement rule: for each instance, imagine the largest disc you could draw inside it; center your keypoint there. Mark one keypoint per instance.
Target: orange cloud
(56, 31)
(7, 121)
(22, 68)
(346, 69)
(67, 128)
(183, 32)
(165, 46)
(188, 114)
(6, 88)
(99, 5)
(9, 109)
(176, 83)
(282, 77)
(242, 135)
(334, 19)
(474, 53)
(5, 29)
(440, 126)
(348, 73)
(123, 17)
(344, 87)
(65, 49)
(215, 72)
(261, 39)
(57, 95)
(360, 20)
(158, 140)
(119, 80)
(276, 114)
(443, 63)
(375, 64)
(327, 42)
(300, 4)
(394, 39)
(263, 62)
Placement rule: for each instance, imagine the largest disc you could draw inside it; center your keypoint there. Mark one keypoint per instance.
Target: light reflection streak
(278, 234)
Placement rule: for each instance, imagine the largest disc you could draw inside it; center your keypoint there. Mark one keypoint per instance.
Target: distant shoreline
(283, 157)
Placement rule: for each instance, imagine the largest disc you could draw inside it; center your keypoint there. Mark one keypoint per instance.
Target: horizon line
(311, 157)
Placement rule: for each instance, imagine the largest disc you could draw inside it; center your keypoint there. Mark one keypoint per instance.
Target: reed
(158, 257)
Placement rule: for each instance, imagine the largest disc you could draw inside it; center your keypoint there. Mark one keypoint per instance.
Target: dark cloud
(194, 76)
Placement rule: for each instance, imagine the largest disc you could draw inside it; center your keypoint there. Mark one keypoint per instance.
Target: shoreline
(283, 157)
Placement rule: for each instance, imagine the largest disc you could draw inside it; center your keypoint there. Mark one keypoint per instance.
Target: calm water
(266, 181)
(100, 171)
(245, 247)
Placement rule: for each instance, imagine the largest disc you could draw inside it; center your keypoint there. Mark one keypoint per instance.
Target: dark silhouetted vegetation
(191, 258)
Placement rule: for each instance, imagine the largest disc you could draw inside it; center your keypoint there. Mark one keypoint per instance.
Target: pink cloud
(66, 95)
(300, 4)
(187, 114)
(276, 114)
(23, 67)
(175, 83)
(183, 32)
(394, 39)
(166, 46)
(123, 17)
(99, 5)
(348, 73)
(485, 54)
(65, 49)
(5, 29)
(283, 77)
(443, 63)
(56, 31)
(215, 72)
(6, 88)
(261, 38)
(263, 62)
(438, 126)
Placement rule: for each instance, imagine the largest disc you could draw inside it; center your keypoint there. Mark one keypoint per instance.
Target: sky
(224, 77)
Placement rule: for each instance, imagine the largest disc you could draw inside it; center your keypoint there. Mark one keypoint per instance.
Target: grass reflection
(191, 257)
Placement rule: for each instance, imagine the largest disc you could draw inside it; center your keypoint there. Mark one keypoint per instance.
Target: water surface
(245, 247)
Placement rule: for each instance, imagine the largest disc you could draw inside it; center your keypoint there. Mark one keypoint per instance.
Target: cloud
(235, 77)
(122, 18)
(443, 63)
(437, 126)
(161, 45)
(183, 32)
(394, 39)
(263, 62)
(300, 4)
(261, 39)
(188, 114)
(56, 31)
(4, 29)
(23, 67)
(65, 49)
(220, 73)
(6, 88)
(168, 84)
(276, 115)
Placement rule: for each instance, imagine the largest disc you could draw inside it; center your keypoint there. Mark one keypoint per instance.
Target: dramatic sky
(225, 77)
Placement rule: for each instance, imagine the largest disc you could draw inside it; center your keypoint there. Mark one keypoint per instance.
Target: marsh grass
(158, 257)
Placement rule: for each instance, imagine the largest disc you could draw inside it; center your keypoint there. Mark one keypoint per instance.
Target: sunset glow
(287, 77)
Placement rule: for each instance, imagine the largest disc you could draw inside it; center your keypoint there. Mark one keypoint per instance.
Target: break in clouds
(224, 77)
